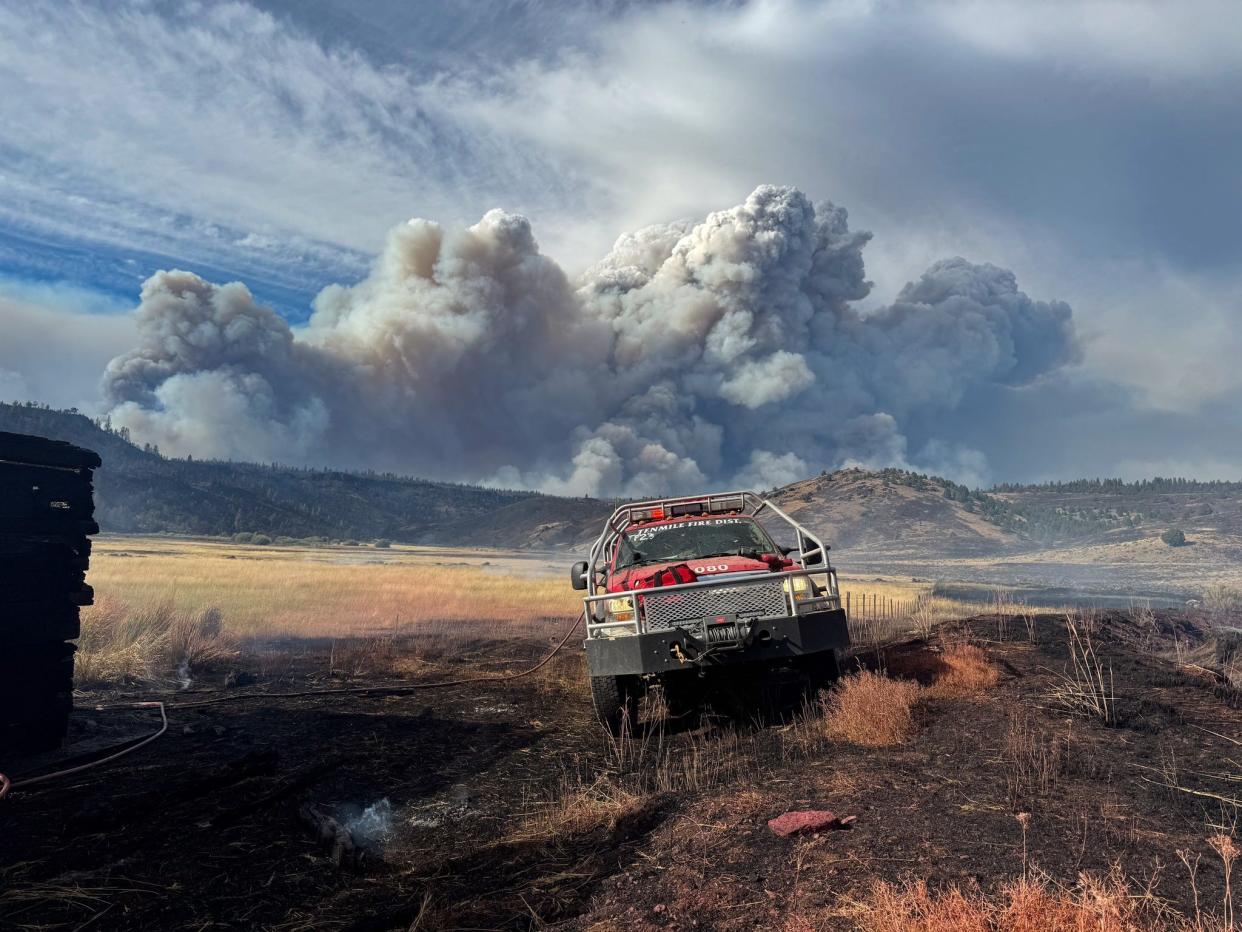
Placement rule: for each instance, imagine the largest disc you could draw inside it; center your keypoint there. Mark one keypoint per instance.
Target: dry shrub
(582, 809)
(871, 710)
(1032, 756)
(968, 674)
(362, 656)
(1028, 904)
(150, 643)
(1086, 688)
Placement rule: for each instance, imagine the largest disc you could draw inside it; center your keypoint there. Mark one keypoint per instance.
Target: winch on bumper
(720, 640)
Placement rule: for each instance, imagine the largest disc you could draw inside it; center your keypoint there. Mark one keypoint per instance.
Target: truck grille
(746, 600)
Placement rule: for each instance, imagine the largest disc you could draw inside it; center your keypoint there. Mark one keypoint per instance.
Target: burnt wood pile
(46, 514)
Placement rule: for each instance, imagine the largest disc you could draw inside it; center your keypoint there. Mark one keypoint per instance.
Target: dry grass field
(1011, 772)
(166, 605)
(327, 591)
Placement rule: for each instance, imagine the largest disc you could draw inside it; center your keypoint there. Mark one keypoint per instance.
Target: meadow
(164, 604)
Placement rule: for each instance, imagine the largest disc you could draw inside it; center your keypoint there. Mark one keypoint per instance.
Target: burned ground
(510, 810)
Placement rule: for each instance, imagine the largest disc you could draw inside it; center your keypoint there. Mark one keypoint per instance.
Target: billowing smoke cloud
(694, 354)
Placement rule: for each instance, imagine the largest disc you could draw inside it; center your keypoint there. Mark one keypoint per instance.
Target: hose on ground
(6, 785)
(397, 689)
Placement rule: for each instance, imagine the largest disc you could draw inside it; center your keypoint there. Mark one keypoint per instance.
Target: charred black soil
(503, 806)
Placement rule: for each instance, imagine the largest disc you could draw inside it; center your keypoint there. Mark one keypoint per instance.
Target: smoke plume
(728, 350)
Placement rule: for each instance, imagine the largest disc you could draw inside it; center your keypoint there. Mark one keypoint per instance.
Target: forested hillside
(140, 491)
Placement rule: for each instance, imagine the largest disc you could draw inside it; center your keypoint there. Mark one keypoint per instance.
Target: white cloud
(1160, 40)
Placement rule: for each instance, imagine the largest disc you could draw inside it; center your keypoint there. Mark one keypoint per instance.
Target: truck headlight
(620, 609)
(800, 587)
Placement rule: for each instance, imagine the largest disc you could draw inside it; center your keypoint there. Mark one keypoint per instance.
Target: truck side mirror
(786, 551)
(577, 575)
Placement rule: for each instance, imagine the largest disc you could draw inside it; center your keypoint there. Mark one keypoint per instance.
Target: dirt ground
(503, 806)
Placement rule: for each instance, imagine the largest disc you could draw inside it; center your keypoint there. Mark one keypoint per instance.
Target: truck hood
(703, 568)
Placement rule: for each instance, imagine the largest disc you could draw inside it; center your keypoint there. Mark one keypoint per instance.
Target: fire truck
(696, 595)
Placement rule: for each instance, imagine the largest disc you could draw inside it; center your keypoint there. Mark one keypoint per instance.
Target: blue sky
(1091, 148)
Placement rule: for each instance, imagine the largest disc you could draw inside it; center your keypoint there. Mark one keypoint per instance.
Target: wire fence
(876, 619)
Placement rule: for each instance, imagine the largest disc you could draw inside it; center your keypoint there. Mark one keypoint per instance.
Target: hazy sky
(1093, 149)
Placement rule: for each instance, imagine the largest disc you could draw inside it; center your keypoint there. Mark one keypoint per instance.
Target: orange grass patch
(871, 710)
(1030, 904)
(968, 673)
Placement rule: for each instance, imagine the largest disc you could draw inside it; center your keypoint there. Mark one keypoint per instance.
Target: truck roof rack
(657, 509)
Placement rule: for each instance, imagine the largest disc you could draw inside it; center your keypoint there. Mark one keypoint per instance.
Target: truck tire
(820, 671)
(616, 701)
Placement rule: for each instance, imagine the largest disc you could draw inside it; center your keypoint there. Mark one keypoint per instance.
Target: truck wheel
(616, 701)
(823, 669)
(819, 671)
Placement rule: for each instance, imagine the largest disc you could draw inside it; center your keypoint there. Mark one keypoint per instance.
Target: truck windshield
(690, 540)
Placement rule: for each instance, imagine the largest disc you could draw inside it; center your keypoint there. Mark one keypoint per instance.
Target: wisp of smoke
(373, 826)
(718, 352)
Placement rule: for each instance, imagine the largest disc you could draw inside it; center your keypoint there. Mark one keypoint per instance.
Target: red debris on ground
(808, 820)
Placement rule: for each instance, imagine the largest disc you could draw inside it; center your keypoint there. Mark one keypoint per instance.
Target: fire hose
(394, 690)
(127, 748)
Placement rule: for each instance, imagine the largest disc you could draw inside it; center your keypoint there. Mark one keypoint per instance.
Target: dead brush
(563, 677)
(1086, 687)
(643, 761)
(871, 710)
(364, 656)
(1004, 607)
(1144, 618)
(575, 809)
(969, 673)
(1227, 850)
(924, 616)
(707, 762)
(1033, 759)
(805, 736)
(153, 643)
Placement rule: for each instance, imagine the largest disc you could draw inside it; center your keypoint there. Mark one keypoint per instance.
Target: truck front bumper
(762, 640)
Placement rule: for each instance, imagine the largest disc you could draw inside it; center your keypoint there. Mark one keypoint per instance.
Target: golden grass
(886, 609)
(581, 810)
(1028, 904)
(276, 592)
(968, 674)
(151, 643)
(871, 710)
(165, 607)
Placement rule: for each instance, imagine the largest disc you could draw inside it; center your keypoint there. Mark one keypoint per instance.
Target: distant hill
(889, 511)
(898, 512)
(1129, 516)
(140, 491)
